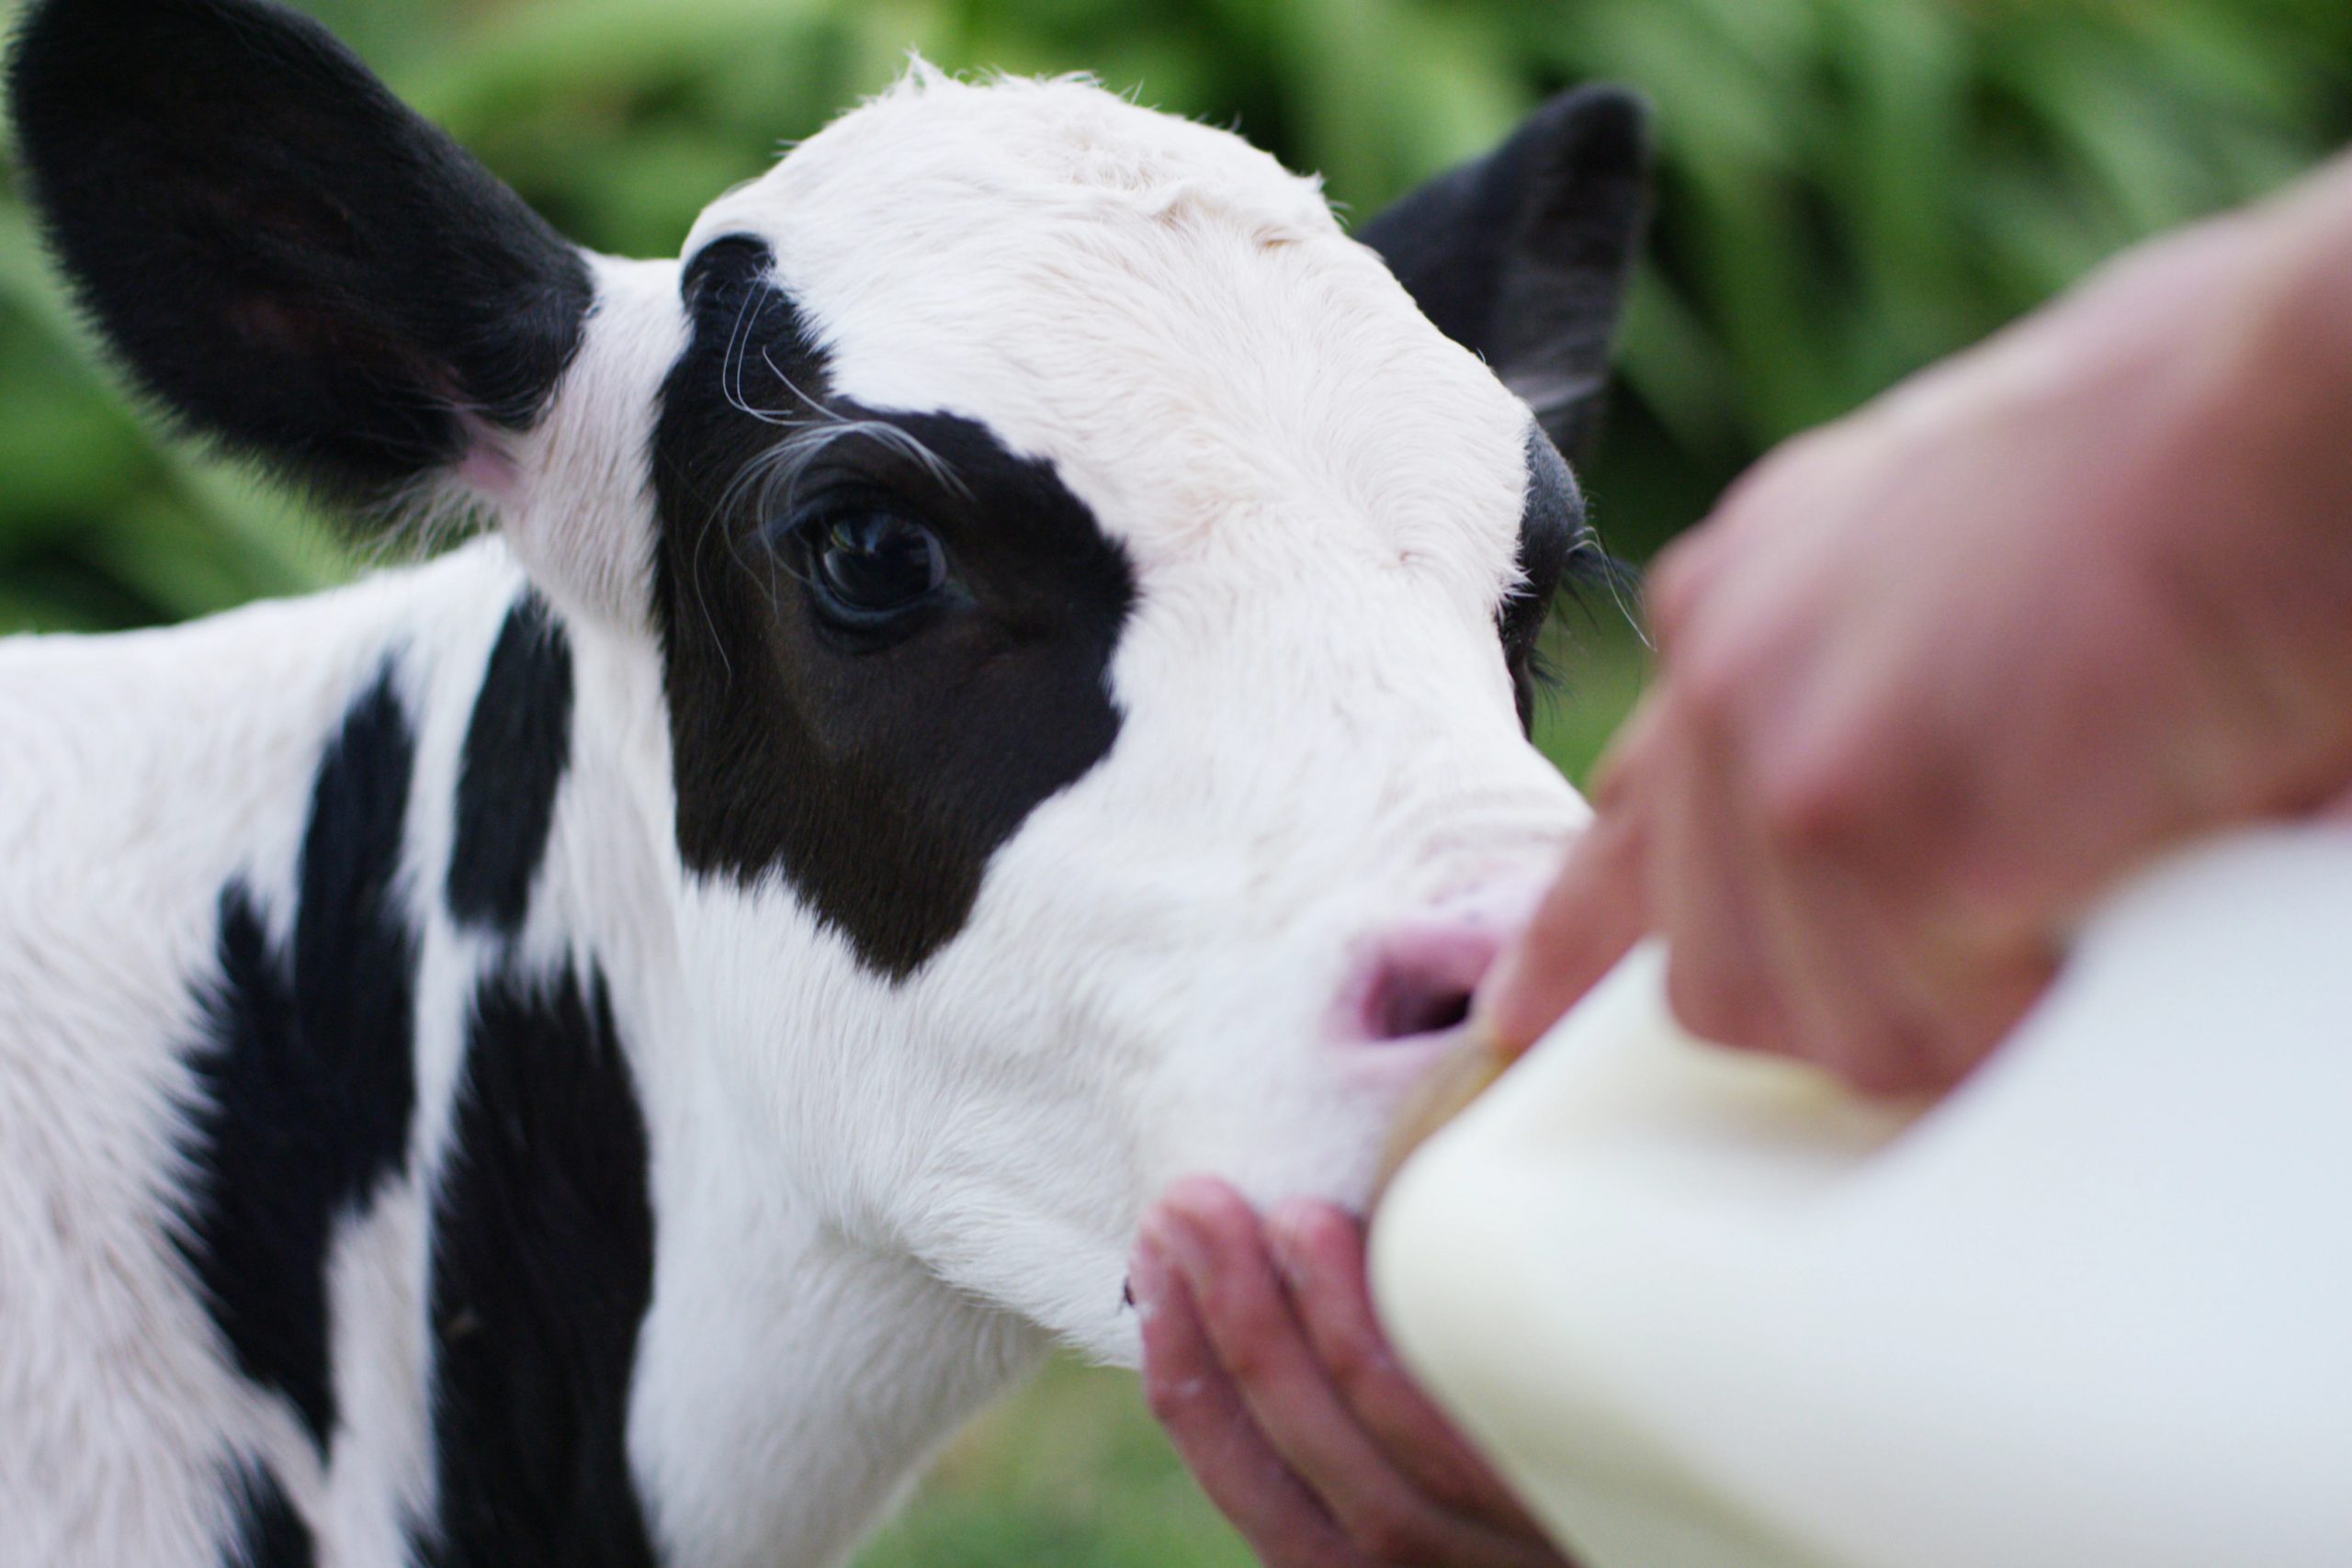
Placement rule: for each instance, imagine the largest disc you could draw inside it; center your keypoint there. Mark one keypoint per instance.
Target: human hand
(1933, 678)
(1265, 1362)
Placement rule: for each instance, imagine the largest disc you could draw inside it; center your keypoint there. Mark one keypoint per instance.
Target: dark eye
(867, 568)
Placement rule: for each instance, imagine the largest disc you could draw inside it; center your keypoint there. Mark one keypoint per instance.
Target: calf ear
(1523, 256)
(279, 251)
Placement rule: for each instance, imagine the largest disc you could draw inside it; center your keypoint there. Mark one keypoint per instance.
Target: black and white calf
(991, 686)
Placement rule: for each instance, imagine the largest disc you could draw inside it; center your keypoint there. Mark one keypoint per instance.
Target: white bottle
(2093, 1309)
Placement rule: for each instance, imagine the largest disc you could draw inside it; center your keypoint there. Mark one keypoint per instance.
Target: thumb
(1593, 914)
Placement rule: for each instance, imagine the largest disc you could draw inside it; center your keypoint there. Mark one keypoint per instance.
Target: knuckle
(1250, 1345)
(1467, 1494)
(1218, 1209)
(1871, 1053)
(1885, 1064)
(1393, 1531)
(1785, 478)
(1712, 999)
(1703, 694)
(1250, 1363)
(1815, 804)
(1673, 590)
(1356, 1366)
(1168, 1399)
(1713, 682)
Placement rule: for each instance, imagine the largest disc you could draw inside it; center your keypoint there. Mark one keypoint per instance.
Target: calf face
(1089, 597)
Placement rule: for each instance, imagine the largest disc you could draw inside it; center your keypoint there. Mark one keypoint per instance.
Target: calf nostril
(1419, 1010)
(1405, 1004)
(1415, 980)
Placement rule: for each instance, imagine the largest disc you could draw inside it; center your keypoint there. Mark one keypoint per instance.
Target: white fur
(876, 1204)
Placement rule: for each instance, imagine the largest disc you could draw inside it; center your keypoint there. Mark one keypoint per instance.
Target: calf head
(1091, 597)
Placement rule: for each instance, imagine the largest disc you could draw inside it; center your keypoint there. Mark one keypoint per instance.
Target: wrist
(2287, 339)
(2261, 438)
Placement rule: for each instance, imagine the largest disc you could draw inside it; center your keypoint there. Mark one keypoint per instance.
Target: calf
(996, 681)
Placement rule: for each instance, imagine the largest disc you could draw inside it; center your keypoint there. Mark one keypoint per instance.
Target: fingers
(1855, 1002)
(1818, 806)
(1320, 1250)
(1932, 678)
(1236, 1379)
(1704, 876)
(1982, 1009)
(1789, 857)
(1195, 1400)
(1594, 911)
(1777, 940)
(1783, 939)
(1214, 1235)
(1588, 921)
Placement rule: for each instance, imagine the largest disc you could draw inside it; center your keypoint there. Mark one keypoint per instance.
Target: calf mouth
(1463, 1072)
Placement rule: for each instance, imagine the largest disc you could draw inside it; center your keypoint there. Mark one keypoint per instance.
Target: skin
(1931, 679)
(1934, 678)
(1263, 1361)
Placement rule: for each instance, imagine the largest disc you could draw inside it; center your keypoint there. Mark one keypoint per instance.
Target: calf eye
(867, 568)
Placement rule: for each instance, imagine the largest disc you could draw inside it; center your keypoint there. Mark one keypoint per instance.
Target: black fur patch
(879, 779)
(1551, 534)
(282, 254)
(518, 746)
(270, 1534)
(542, 1270)
(1523, 256)
(306, 1080)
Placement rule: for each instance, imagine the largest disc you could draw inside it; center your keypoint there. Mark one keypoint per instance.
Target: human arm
(1934, 677)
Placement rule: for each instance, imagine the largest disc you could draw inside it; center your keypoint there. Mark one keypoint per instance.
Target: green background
(1847, 190)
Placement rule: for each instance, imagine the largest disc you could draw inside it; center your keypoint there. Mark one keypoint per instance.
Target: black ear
(281, 253)
(1524, 255)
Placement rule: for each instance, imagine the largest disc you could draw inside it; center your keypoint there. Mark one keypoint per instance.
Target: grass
(1069, 1472)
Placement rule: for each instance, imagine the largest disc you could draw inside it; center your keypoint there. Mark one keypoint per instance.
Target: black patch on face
(1551, 538)
(283, 254)
(542, 1270)
(305, 1079)
(516, 748)
(879, 780)
(270, 1534)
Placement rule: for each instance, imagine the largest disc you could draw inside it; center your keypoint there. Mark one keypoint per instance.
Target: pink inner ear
(486, 467)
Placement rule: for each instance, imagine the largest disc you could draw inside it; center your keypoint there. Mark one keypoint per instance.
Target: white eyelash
(811, 428)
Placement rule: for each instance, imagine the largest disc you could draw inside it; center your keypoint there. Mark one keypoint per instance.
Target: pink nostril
(1416, 979)
(1405, 1005)
(1421, 979)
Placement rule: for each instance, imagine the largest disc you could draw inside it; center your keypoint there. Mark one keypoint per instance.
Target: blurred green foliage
(1848, 188)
